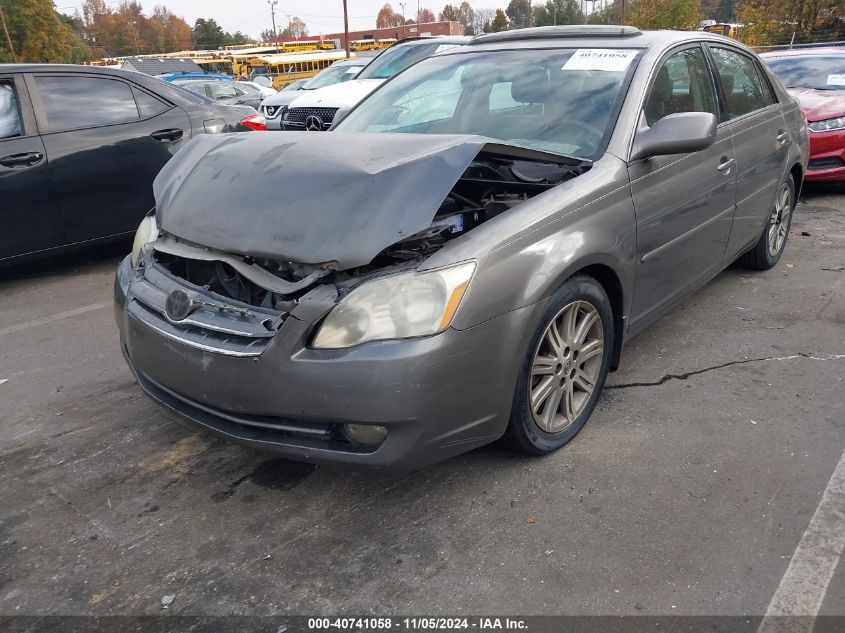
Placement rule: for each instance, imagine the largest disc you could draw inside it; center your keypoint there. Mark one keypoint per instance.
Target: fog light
(369, 434)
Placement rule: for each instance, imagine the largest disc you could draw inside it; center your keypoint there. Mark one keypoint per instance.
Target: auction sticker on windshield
(614, 60)
(836, 79)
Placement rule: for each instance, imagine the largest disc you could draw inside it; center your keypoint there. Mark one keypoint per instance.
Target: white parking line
(56, 317)
(804, 584)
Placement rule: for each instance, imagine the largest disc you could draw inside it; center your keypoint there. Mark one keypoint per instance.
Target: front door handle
(29, 159)
(172, 134)
(726, 164)
(781, 137)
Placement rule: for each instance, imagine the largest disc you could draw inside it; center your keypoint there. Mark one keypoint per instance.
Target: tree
(37, 32)
(80, 52)
(467, 18)
(482, 20)
(719, 10)
(267, 35)
(170, 33)
(387, 17)
(609, 14)
(500, 22)
(776, 21)
(240, 38)
(520, 13)
(295, 28)
(558, 12)
(427, 15)
(449, 14)
(664, 14)
(208, 35)
(462, 13)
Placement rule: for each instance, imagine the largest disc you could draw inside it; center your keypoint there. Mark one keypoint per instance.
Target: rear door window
(148, 105)
(10, 119)
(741, 83)
(222, 90)
(77, 102)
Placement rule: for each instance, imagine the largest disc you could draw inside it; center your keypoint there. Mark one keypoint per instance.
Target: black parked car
(80, 146)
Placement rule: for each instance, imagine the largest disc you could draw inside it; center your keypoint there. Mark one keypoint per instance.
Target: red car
(816, 77)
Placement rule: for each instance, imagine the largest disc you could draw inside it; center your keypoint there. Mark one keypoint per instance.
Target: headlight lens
(400, 306)
(828, 124)
(147, 232)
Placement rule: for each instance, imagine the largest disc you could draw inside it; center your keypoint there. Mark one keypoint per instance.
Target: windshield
(331, 75)
(395, 60)
(552, 100)
(819, 72)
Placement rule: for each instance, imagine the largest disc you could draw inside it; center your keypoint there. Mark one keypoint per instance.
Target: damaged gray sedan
(465, 255)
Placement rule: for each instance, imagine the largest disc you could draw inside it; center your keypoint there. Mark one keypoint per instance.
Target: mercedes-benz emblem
(179, 305)
(314, 123)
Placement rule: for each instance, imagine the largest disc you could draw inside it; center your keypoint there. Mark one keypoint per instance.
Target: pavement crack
(667, 377)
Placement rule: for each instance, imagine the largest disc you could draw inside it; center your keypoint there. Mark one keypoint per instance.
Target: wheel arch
(608, 277)
(797, 172)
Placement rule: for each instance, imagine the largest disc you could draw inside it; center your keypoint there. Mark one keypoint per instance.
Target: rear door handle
(726, 164)
(781, 138)
(29, 159)
(172, 134)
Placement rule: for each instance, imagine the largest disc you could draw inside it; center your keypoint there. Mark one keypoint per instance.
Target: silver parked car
(224, 92)
(466, 255)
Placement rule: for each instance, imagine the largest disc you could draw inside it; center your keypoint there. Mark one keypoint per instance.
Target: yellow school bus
(723, 28)
(285, 68)
(371, 44)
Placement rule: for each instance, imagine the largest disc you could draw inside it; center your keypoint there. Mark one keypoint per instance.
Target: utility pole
(346, 29)
(402, 4)
(273, 4)
(418, 16)
(8, 37)
(622, 19)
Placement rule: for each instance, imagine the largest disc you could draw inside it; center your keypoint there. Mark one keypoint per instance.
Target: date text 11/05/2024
(416, 623)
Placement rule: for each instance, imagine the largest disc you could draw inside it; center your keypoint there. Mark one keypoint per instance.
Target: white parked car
(315, 110)
(264, 91)
(341, 71)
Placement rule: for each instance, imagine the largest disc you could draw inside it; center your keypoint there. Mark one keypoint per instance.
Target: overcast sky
(253, 16)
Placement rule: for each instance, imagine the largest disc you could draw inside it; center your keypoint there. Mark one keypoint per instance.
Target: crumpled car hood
(309, 197)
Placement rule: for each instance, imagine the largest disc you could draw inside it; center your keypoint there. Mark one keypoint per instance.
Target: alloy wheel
(566, 366)
(779, 220)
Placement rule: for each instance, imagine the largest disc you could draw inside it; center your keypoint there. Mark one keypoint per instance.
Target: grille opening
(829, 162)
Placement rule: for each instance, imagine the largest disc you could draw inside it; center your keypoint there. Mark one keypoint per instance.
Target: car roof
(440, 39)
(803, 52)
(589, 35)
(170, 91)
(352, 61)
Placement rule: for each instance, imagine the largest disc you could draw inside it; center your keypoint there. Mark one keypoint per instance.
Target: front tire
(564, 369)
(769, 248)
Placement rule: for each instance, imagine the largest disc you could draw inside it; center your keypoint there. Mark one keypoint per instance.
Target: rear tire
(769, 248)
(564, 368)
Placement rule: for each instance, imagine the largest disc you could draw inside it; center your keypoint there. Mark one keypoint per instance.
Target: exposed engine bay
(491, 185)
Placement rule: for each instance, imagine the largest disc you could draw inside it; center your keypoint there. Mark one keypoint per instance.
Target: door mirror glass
(679, 133)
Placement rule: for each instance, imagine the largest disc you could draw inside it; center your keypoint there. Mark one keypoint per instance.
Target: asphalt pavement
(700, 485)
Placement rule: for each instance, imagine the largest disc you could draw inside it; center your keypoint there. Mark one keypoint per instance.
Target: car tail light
(255, 122)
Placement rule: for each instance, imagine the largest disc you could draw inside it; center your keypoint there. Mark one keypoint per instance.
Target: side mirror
(679, 133)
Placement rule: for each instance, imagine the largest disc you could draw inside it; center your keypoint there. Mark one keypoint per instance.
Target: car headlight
(147, 232)
(399, 306)
(828, 124)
